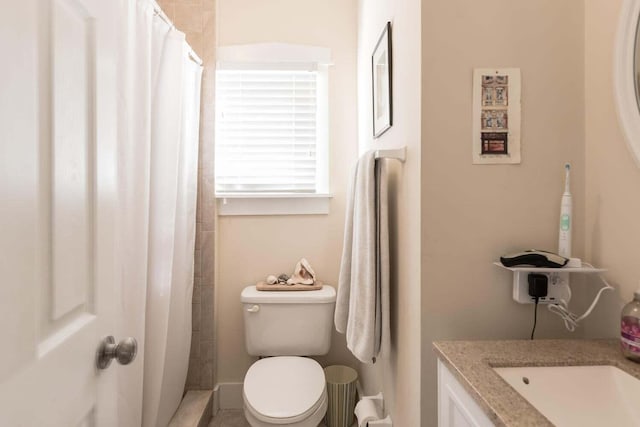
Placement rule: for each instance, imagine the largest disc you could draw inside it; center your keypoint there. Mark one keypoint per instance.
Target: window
(266, 131)
(271, 131)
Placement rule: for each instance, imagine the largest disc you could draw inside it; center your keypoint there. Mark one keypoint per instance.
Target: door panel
(58, 170)
(72, 147)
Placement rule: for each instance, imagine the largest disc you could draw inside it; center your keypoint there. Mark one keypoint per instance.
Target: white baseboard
(228, 395)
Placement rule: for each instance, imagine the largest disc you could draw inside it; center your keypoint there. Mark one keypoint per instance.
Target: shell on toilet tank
(288, 323)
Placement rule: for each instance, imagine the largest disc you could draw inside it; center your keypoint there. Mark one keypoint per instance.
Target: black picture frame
(381, 76)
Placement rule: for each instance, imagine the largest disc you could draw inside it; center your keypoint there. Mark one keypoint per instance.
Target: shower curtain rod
(158, 11)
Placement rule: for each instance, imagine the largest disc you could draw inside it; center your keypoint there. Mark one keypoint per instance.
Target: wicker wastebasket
(341, 393)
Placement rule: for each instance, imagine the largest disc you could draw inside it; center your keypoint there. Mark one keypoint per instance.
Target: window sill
(273, 204)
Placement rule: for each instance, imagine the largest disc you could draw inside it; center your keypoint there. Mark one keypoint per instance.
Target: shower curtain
(159, 110)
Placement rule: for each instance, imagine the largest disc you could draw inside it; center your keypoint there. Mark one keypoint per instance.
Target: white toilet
(286, 389)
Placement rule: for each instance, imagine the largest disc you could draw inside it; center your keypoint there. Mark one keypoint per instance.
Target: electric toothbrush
(564, 238)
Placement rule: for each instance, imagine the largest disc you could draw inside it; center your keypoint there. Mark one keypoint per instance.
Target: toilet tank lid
(250, 295)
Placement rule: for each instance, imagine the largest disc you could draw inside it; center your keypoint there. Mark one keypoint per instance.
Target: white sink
(579, 395)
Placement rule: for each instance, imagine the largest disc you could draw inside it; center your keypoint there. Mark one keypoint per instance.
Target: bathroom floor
(229, 418)
(232, 418)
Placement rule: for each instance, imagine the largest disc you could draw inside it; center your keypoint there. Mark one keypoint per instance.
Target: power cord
(571, 319)
(538, 288)
(535, 317)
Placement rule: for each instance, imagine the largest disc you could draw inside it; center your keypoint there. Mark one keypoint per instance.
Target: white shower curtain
(178, 334)
(159, 106)
(134, 119)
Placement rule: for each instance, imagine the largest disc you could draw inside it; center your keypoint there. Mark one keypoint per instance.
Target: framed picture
(381, 82)
(496, 116)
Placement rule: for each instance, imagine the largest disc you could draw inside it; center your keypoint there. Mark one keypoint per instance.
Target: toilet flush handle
(253, 309)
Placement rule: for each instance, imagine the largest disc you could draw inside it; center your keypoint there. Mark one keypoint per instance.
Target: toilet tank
(288, 323)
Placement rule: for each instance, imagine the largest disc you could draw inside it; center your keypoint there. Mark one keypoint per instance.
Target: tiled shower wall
(196, 18)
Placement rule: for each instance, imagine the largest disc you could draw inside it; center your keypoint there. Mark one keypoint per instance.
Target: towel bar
(392, 153)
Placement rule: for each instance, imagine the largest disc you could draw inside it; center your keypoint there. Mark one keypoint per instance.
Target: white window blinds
(266, 132)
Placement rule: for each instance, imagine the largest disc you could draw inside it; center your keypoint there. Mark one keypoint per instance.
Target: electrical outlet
(558, 288)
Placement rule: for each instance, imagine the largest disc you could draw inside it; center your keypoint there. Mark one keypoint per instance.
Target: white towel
(362, 306)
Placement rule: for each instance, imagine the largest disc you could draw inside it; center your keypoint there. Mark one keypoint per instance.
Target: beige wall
(252, 247)
(398, 376)
(613, 205)
(467, 213)
(471, 214)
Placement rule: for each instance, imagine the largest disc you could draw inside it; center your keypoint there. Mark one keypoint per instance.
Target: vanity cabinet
(456, 407)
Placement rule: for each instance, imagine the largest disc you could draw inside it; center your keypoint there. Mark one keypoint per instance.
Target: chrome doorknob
(124, 352)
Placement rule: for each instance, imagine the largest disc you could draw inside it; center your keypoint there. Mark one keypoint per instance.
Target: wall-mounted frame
(626, 75)
(496, 116)
(381, 83)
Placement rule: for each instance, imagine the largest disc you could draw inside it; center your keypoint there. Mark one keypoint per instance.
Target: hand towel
(362, 305)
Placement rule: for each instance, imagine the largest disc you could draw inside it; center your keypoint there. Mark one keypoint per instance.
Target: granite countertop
(471, 362)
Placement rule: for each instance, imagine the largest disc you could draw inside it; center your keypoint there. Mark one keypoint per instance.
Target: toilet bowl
(285, 391)
(286, 388)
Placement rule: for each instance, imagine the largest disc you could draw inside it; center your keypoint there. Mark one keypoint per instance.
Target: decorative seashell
(283, 278)
(303, 274)
(271, 279)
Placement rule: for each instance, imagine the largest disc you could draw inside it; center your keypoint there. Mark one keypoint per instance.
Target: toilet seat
(285, 390)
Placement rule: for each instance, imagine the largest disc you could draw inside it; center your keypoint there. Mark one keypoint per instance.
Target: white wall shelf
(558, 288)
(583, 270)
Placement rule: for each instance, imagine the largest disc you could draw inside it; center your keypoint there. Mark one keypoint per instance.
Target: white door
(57, 209)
